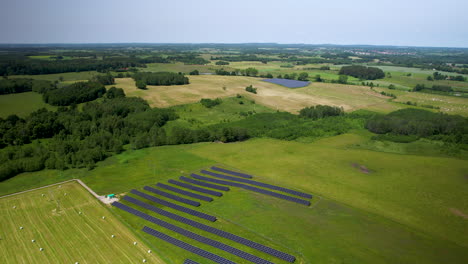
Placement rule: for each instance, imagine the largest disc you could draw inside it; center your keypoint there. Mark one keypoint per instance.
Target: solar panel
(195, 188)
(171, 196)
(213, 230)
(194, 236)
(254, 189)
(261, 184)
(190, 194)
(174, 206)
(235, 173)
(288, 83)
(187, 246)
(189, 261)
(205, 184)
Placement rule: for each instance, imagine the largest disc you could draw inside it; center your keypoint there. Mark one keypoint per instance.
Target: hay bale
(21, 228)
(33, 240)
(14, 207)
(144, 260)
(149, 251)
(134, 243)
(43, 195)
(113, 236)
(103, 217)
(41, 249)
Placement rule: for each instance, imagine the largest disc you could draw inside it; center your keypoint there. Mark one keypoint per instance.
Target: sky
(375, 22)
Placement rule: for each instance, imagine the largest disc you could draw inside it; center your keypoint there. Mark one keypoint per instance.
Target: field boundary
(101, 198)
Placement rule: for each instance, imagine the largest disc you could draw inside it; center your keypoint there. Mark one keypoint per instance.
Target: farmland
(70, 225)
(21, 104)
(385, 169)
(270, 95)
(353, 201)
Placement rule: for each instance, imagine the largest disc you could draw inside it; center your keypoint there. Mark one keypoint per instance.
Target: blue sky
(380, 22)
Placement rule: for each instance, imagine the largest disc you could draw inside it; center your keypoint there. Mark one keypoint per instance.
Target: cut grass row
(54, 222)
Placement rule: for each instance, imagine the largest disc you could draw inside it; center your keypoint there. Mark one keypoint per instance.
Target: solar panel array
(261, 184)
(195, 188)
(187, 247)
(189, 261)
(288, 83)
(171, 196)
(255, 189)
(235, 173)
(180, 191)
(174, 206)
(199, 238)
(213, 230)
(209, 185)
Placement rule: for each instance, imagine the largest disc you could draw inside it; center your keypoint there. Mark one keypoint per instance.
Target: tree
(114, 92)
(194, 72)
(140, 84)
(429, 78)
(250, 89)
(303, 76)
(269, 75)
(251, 72)
(343, 79)
(318, 78)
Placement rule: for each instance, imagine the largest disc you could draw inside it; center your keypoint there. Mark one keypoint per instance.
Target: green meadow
(21, 104)
(369, 206)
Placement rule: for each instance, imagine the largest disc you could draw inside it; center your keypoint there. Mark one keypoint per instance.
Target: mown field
(21, 104)
(54, 223)
(271, 95)
(377, 207)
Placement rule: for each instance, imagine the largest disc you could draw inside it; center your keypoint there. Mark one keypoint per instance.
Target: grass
(21, 104)
(403, 211)
(179, 67)
(67, 76)
(273, 96)
(447, 104)
(231, 109)
(55, 224)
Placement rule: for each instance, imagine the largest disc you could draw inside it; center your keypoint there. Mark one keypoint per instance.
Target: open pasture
(21, 104)
(377, 207)
(271, 95)
(70, 225)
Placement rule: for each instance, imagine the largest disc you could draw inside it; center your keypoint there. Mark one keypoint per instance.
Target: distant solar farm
(160, 215)
(287, 83)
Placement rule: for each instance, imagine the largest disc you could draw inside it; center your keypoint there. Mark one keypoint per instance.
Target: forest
(362, 72)
(160, 78)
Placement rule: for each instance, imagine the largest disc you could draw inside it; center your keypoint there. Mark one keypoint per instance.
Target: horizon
(399, 23)
(231, 43)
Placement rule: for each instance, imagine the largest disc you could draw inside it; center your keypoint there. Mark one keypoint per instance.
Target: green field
(54, 222)
(67, 76)
(21, 104)
(402, 211)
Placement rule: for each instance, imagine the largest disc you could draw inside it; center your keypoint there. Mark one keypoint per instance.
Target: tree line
(421, 123)
(159, 78)
(362, 72)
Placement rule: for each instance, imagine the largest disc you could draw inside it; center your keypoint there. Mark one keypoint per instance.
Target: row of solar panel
(205, 184)
(251, 188)
(186, 193)
(174, 206)
(195, 188)
(213, 230)
(171, 196)
(235, 173)
(261, 184)
(187, 246)
(189, 261)
(199, 238)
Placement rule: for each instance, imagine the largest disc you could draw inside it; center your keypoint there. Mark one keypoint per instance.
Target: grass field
(21, 104)
(447, 104)
(231, 109)
(67, 76)
(54, 222)
(402, 211)
(268, 94)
